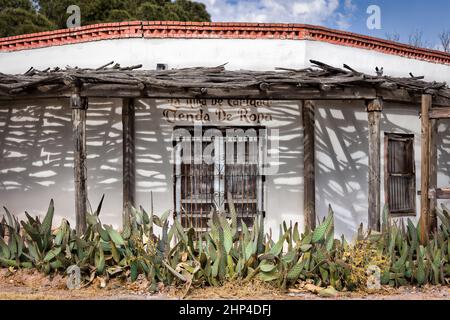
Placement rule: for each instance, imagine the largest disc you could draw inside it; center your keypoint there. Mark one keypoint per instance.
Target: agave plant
(11, 243)
(228, 251)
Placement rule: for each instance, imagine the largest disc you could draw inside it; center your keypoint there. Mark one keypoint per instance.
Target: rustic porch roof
(320, 82)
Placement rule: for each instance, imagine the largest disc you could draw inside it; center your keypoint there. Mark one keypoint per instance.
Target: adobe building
(351, 137)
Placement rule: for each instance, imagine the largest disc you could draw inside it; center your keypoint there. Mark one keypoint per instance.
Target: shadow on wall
(284, 193)
(405, 119)
(36, 158)
(342, 158)
(284, 190)
(443, 145)
(104, 158)
(153, 150)
(342, 164)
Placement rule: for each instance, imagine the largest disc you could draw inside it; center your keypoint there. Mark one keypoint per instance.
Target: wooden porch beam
(425, 168)
(276, 92)
(309, 197)
(129, 156)
(439, 113)
(79, 107)
(438, 193)
(374, 109)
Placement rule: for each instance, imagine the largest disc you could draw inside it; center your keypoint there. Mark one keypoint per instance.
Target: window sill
(402, 214)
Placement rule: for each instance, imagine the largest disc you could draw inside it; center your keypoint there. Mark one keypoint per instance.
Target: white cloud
(335, 13)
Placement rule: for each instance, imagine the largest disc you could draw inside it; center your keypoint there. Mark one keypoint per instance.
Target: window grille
(202, 183)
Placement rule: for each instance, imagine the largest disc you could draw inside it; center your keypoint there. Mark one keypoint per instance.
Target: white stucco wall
(36, 138)
(283, 197)
(251, 54)
(342, 158)
(364, 60)
(104, 158)
(36, 162)
(342, 163)
(36, 158)
(177, 53)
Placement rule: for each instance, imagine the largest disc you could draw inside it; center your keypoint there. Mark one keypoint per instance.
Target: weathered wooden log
(79, 107)
(104, 66)
(208, 78)
(129, 156)
(309, 184)
(425, 169)
(374, 109)
(439, 113)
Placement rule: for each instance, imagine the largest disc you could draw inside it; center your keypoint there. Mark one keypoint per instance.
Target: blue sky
(397, 16)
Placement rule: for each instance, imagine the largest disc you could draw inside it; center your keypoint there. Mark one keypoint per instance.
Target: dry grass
(231, 290)
(32, 285)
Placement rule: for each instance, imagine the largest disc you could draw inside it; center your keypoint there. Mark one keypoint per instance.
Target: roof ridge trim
(216, 30)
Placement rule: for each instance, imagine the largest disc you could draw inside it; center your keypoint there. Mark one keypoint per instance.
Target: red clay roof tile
(216, 30)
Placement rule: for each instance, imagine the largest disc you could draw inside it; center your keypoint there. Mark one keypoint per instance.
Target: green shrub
(226, 252)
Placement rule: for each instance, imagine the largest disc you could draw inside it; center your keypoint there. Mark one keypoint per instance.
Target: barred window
(400, 174)
(202, 183)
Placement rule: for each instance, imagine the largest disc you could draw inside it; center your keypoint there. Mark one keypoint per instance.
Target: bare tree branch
(394, 36)
(444, 36)
(416, 38)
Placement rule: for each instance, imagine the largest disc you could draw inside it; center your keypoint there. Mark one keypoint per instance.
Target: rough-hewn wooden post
(79, 107)
(309, 183)
(425, 169)
(374, 109)
(129, 157)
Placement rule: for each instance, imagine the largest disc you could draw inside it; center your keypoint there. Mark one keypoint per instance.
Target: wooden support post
(374, 109)
(425, 169)
(129, 157)
(79, 106)
(309, 165)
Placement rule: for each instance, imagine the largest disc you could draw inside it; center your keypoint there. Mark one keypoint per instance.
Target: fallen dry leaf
(312, 288)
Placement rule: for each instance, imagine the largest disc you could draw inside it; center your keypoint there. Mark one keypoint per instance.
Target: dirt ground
(32, 285)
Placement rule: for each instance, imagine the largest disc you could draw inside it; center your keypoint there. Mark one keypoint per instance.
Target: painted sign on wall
(233, 111)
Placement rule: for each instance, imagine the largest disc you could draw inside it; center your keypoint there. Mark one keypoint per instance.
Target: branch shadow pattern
(36, 157)
(342, 164)
(155, 171)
